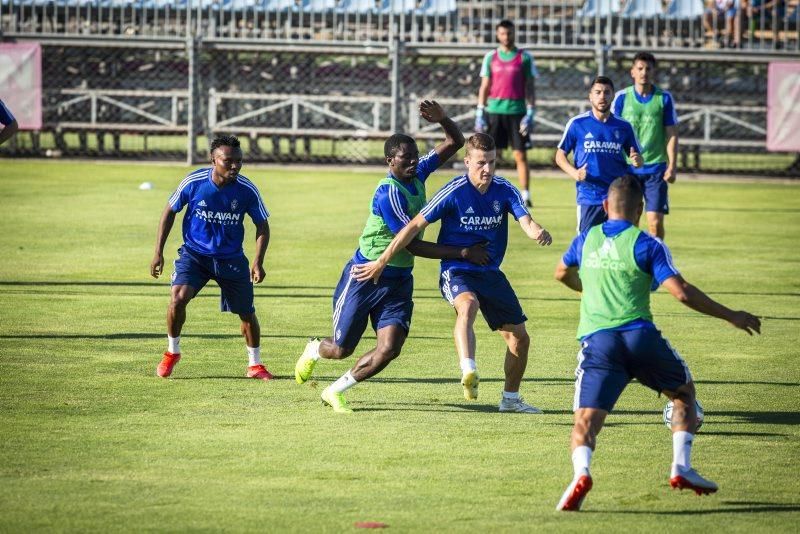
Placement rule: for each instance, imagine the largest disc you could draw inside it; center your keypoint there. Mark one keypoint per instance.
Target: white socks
(682, 450)
(254, 355)
(511, 395)
(345, 382)
(468, 365)
(581, 458)
(174, 344)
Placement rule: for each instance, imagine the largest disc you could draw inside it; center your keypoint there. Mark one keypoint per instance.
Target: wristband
(479, 111)
(531, 112)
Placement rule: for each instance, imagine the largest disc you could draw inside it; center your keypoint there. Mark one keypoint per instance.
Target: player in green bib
(387, 303)
(613, 265)
(651, 111)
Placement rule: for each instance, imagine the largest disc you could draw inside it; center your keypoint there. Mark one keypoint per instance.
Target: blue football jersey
(601, 145)
(214, 220)
(6, 117)
(469, 217)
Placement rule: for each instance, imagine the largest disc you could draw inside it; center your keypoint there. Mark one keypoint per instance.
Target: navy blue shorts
(232, 276)
(499, 304)
(609, 359)
(656, 197)
(386, 303)
(590, 215)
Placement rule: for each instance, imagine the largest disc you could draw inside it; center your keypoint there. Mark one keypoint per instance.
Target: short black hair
(505, 23)
(626, 191)
(480, 141)
(393, 144)
(602, 80)
(646, 57)
(224, 140)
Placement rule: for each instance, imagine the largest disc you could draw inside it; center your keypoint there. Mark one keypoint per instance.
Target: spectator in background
(764, 16)
(9, 123)
(727, 10)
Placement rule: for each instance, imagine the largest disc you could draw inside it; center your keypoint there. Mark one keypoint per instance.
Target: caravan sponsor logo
(218, 217)
(606, 257)
(608, 147)
(480, 222)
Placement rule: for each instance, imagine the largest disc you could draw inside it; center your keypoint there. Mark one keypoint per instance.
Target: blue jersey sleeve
(391, 205)
(618, 104)
(516, 206)
(670, 115)
(6, 117)
(567, 143)
(436, 208)
(256, 208)
(181, 196)
(572, 257)
(653, 257)
(426, 165)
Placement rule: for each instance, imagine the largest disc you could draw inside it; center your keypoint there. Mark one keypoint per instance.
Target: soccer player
(10, 125)
(474, 209)
(387, 302)
(613, 265)
(507, 100)
(651, 111)
(600, 141)
(217, 199)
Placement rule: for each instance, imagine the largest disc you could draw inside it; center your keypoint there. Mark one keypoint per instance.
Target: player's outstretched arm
(164, 228)
(563, 163)
(432, 111)
(535, 231)
(694, 298)
(373, 269)
(476, 254)
(568, 276)
(257, 272)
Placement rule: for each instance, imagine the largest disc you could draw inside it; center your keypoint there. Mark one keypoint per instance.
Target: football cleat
(517, 405)
(692, 480)
(168, 363)
(573, 497)
(260, 372)
(335, 401)
(470, 382)
(306, 362)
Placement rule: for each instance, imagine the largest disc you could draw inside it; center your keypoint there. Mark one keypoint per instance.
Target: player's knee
(521, 341)
(388, 351)
(468, 306)
(338, 353)
(179, 300)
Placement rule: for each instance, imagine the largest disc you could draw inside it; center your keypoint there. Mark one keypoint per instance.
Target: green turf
(90, 440)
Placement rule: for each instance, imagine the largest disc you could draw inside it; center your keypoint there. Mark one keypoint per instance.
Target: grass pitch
(91, 440)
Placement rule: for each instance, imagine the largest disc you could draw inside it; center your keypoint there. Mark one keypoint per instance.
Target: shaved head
(625, 200)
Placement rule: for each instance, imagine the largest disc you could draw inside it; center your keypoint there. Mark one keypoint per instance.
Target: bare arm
(672, 153)
(164, 228)
(695, 299)
(568, 276)
(9, 131)
(373, 269)
(257, 272)
(530, 91)
(431, 111)
(563, 163)
(483, 91)
(535, 231)
(425, 249)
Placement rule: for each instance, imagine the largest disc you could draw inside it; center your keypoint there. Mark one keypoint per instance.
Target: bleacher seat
(356, 6)
(432, 8)
(642, 9)
(593, 8)
(398, 6)
(684, 9)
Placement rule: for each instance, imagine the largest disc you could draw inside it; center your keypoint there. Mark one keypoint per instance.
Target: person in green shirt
(387, 302)
(507, 101)
(613, 266)
(651, 111)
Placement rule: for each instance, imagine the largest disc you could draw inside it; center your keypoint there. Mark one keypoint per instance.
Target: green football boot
(306, 362)
(335, 401)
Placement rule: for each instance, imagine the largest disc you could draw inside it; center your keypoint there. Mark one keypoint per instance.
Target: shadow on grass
(728, 507)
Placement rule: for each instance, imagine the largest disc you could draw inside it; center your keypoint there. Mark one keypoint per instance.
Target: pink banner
(783, 107)
(21, 82)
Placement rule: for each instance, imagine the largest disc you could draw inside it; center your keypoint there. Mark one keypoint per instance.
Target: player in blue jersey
(474, 209)
(387, 303)
(600, 141)
(216, 200)
(613, 266)
(10, 125)
(651, 111)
